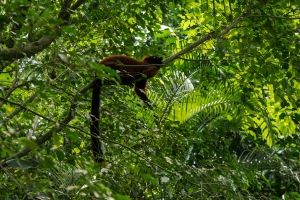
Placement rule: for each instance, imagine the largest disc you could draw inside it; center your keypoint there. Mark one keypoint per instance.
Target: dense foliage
(225, 118)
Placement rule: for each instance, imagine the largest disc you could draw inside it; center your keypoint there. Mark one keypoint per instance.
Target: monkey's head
(153, 59)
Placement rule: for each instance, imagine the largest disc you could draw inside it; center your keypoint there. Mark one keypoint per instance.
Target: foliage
(225, 117)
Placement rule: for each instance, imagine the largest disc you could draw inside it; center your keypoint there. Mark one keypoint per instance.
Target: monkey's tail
(95, 125)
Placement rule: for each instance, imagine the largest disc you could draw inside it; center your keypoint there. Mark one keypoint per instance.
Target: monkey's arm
(140, 90)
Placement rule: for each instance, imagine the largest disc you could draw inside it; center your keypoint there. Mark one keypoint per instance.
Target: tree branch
(31, 98)
(35, 113)
(277, 17)
(7, 56)
(213, 34)
(48, 135)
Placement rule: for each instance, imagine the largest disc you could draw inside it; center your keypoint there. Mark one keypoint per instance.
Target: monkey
(134, 75)
(129, 75)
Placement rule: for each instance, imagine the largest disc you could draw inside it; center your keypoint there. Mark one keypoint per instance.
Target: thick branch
(7, 56)
(213, 34)
(27, 50)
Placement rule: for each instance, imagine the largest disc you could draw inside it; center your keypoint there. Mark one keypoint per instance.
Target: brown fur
(137, 75)
(129, 76)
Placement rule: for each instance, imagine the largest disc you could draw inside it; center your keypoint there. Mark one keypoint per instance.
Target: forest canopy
(224, 116)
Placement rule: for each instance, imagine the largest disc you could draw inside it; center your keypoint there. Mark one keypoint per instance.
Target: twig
(35, 113)
(7, 56)
(277, 17)
(213, 34)
(31, 98)
(48, 135)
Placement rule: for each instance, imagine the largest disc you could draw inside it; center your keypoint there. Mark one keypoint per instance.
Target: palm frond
(179, 97)
(216, 100)
(271, 162)
(260, 158)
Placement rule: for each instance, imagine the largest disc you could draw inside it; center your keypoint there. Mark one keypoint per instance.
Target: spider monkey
(129, 75)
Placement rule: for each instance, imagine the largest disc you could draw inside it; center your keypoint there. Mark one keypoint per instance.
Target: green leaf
(55, 138)
(70, 30)
(148, 177)
(63, 57)
(163, 33)
(122, 197)
(186, 24)
(47, 162)
(132, 21)
(30, 144)
(60, 154)
(18, 164)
